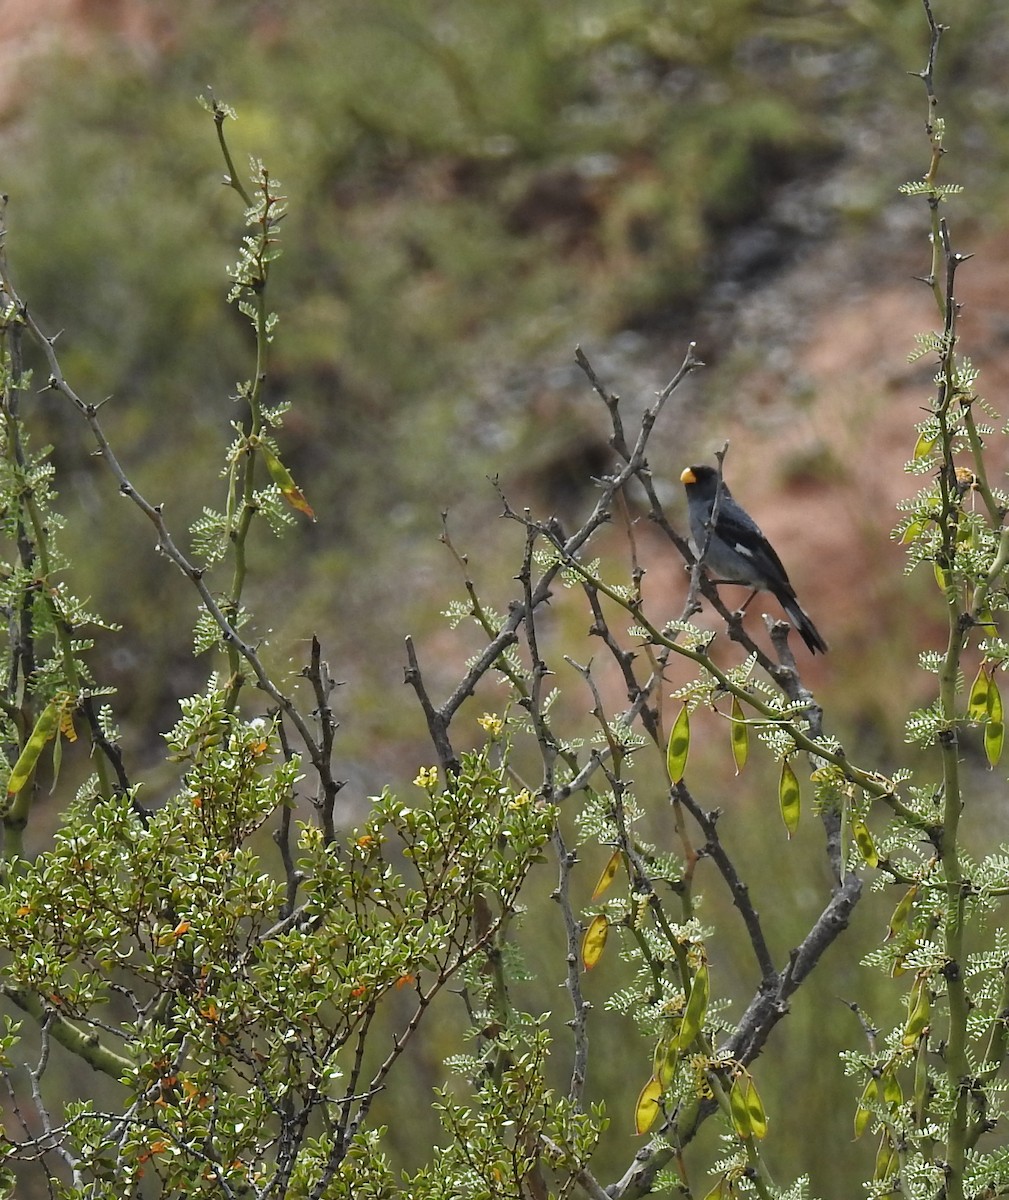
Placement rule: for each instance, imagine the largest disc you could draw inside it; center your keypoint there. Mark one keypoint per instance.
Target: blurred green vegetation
(474, 188)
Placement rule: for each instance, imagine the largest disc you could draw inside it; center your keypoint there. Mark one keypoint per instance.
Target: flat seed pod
(594, 940)
(609, 873)
(863, 840)
(679, 746)
(740, 734)
(901, 913)
(738, 1109)
(696, 1010)
(977, 705)
(789, 797)
(646, 1108)
(863, 1113)
(994, 738)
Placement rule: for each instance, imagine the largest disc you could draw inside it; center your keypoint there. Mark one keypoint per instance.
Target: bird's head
(704, 479)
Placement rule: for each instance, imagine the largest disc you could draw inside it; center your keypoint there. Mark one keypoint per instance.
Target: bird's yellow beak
(688, 476)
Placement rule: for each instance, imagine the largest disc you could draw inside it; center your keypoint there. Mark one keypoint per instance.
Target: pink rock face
(34, 28)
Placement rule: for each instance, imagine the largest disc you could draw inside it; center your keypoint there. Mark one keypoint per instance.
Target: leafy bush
(253, 1009)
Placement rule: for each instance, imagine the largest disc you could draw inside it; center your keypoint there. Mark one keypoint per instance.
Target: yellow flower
(491, 723)
(427, 778)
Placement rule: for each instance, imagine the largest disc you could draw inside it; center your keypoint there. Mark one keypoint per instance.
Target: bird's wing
(738, 529)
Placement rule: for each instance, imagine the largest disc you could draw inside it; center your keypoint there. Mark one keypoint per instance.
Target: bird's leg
(748, 599)
(735, 582)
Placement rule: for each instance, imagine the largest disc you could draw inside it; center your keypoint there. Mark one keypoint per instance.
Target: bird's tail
(807, 630)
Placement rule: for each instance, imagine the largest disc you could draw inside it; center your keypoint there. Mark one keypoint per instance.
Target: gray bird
(737, 552)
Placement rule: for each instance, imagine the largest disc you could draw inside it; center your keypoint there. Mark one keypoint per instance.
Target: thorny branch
(439, 719)
(166, 544)
(566, 860)
(519, 629)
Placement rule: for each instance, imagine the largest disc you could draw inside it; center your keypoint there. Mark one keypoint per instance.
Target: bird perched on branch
(735, 551)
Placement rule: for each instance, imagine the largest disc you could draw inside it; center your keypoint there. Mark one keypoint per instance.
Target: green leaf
(789, 798)
(679, 746)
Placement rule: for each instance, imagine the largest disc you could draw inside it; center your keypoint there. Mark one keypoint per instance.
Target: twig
(317, 673)
(579, 1022)
(713, 849)
(165, 543)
